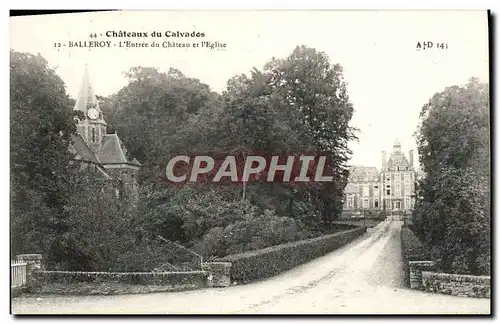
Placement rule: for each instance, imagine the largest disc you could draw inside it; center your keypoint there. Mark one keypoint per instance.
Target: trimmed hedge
(412, 250)
(264, 263)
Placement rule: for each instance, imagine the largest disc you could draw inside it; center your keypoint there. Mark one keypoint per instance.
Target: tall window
(396, 176)
(388, 192)
(397, 204)
(407, 203)
(350, 202)
(387, 177)
(398, 190)
(365, 191)
(407, 190)
(365, 203)
(375, 203)
(93, 134)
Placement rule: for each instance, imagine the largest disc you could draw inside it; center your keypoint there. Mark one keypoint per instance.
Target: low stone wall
(40, 281)
(415, 272)
(456, 285)
(75, 282)
(423, 275)
(219, 273)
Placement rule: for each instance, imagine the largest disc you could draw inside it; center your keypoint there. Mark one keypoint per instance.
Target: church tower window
(93, 134)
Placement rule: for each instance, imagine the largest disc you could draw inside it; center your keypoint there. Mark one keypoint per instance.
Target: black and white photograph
(250, 162)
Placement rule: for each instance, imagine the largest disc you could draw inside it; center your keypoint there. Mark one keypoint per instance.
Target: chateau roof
(363, 171)
(397, 159)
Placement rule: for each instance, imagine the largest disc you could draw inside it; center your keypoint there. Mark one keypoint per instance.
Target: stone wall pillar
(219, 273)
(33, 262)
(416, 268)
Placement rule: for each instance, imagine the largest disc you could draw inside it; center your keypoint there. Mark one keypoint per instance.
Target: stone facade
(390, 189)
(219, 273)
(457, 285)
(424, 277)
(416, 268)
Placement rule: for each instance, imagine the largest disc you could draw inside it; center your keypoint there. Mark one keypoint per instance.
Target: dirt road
(363, 277)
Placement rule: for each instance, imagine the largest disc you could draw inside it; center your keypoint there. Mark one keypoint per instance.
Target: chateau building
(391, 189)
(99, 150)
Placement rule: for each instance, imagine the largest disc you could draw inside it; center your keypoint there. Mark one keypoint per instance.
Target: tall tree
(314, 93)
(153, 110)
(41, 125)
(453, 214)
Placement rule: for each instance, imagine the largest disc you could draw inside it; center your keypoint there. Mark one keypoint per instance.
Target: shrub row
(412, 250)
(137, 278)
(270, 261)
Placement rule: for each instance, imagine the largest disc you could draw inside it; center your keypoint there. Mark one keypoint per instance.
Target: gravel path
(363, 277)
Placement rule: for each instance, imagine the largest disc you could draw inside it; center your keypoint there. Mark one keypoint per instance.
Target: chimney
(384, 160)
(411, 158)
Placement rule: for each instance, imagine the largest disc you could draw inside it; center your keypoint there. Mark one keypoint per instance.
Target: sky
(388, 79)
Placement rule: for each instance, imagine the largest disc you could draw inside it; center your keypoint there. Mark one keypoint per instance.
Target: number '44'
(93, 35)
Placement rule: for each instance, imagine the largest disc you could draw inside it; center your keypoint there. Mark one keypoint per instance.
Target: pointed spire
(397, 146)
(86, 97)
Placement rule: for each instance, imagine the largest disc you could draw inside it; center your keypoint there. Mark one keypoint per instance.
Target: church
(98, 150)
(391, 189)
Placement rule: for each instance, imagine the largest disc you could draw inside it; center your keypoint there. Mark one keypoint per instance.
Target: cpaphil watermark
(248, 167)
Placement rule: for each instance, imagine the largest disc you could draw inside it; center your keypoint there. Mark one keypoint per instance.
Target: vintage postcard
(250, 162)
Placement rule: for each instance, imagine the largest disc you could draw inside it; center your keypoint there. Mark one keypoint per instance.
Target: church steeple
(92, 126)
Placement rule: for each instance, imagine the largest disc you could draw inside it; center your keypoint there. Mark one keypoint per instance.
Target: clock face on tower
(93, 113)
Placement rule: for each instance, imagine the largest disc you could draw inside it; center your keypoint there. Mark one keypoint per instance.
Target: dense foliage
(294, 105)
(41, 126)
(298, 104)
(412, 250)
(452, 214)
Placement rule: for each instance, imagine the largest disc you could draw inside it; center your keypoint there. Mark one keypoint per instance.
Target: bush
(251, 233)
(270, 261)
(412, 250)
